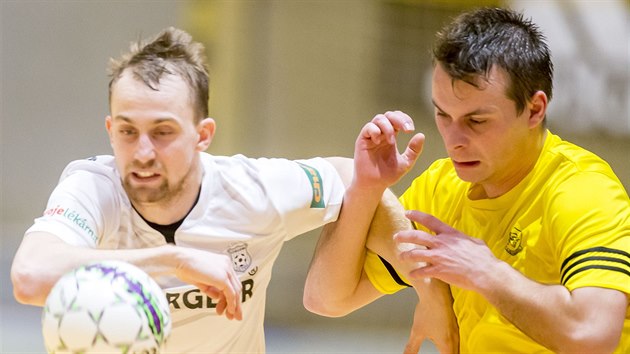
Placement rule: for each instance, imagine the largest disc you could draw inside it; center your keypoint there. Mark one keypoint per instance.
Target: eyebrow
(477, 112)
(156, 121)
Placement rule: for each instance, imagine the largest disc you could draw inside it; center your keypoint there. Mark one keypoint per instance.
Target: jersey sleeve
(590, 216)
(307, 193)
(77, 207)
(382, 274)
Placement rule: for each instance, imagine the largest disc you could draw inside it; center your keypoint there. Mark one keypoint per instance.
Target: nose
(145, 150)
(454, 136)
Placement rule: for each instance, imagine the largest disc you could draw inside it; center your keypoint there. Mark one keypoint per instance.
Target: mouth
(466, 164)
(145, 176)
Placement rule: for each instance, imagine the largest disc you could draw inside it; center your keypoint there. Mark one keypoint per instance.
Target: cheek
(178, 158)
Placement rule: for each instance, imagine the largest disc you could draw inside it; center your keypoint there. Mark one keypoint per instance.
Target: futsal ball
(106, 307)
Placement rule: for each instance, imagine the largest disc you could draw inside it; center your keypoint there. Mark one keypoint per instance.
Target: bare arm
(588, 320)
(43, 258)
(583, 320)
(336, 283)
(341, 246)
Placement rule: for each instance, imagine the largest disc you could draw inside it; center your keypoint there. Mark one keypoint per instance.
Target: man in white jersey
(207, 228)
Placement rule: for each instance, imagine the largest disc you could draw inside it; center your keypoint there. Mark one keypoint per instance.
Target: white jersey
(247, 208)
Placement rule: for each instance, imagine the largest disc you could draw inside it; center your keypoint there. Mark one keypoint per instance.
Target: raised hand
(378, 164)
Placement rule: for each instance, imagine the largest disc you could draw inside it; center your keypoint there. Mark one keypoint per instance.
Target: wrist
(365, 191)
(171, 257)
(492, 282)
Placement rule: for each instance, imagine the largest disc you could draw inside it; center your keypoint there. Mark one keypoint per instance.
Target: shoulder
(567, 159)
(92, 178)
(262, 168)
(102, 165)
(578, 174)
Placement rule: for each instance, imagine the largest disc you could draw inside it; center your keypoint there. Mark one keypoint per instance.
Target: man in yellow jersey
(531, 233)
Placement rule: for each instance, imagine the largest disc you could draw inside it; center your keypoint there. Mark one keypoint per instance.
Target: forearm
(336, 283)
(43, 258)
(336, 270)
(585, 320)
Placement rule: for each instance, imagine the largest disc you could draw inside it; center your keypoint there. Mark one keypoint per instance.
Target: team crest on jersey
(241, 259)
(514, 244)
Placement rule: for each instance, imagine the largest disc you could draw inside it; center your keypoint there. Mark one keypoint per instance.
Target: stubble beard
(164, 194)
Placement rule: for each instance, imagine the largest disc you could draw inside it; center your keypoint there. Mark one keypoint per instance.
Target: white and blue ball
(106, 307)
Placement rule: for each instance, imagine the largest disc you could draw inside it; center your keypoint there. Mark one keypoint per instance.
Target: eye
(440, 114)
(127, 131)
(163, 132)
(476, 121)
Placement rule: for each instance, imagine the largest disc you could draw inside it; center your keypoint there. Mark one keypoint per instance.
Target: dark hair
(476, 41)
(170, 52)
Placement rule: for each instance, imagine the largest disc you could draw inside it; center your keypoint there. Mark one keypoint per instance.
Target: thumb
(414, 149)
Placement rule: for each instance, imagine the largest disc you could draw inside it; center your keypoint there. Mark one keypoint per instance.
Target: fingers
(429, 221)
(400, 121)
(415, 237)
(384, 127)
(234, 306)
(232, 298)
(228, 301)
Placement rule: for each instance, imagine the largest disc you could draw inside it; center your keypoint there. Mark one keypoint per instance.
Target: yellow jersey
(567, 222)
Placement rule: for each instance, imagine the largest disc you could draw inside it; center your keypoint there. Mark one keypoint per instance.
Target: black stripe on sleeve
(596, 266)
(594, 249)
(582, 264)
(594, 258)
(393, 273)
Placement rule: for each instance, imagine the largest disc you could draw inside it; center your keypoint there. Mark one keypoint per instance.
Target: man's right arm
(336, 283)
(43, 258)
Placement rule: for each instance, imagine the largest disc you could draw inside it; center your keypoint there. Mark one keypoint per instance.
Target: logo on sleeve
(316, 184)
(74, 217)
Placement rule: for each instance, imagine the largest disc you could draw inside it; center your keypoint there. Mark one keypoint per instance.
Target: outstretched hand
(377, 162)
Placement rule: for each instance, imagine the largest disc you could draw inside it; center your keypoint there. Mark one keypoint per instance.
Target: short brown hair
(477, 41)
(173, 52)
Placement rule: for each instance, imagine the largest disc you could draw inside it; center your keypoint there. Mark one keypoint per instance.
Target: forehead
(449, 91)
(169, 85)
(134, 99)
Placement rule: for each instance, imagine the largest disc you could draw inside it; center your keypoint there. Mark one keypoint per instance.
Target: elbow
(25, 289)
(587, 341)
(320, 305)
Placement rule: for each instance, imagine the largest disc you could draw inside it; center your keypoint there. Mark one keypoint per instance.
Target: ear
(537, 109)
(108, 127)
(205, 129)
